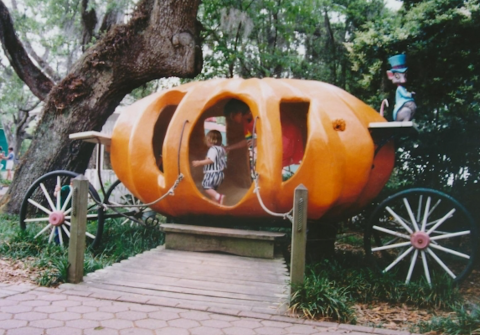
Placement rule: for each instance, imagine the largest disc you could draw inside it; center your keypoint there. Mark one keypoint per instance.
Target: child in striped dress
(213, 165)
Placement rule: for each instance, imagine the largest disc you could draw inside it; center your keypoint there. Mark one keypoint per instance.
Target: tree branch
(39, 84)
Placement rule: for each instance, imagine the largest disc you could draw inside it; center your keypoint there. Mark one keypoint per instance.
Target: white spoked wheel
(46, 208)
(127, 208)
(422, 233)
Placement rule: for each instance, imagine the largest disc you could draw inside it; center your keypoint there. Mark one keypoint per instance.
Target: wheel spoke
(391, 232)
(412, 266)
(59, 185)
(425, 267)
(41, 201)
(441, 221)
(439, 261)
(392, 246)
(37, 219)
(399, 258)
(47, 196)
(399, 220)
(60, 237)
(67, 200)
(52, 233)
(36, 204)
(449, 235)
(430, 224)
(450, 251)
(410, 213)
(403, 222)
(395, 239)
(66, 230)
(43, 230)
(419, 210)
(435, 206)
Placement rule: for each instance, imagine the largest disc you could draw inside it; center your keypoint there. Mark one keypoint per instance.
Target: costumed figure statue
(405, 106)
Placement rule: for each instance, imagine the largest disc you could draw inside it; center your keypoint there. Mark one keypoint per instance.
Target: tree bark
(161, 40)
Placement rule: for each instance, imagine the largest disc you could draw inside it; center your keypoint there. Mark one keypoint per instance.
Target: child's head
(234, 108)
(213, 137)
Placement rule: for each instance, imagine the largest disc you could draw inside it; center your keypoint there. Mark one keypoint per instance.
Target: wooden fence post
(299, 235)
(76, 248)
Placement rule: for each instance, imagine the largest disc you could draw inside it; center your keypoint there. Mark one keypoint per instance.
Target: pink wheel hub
(56, 218)
(420, 240)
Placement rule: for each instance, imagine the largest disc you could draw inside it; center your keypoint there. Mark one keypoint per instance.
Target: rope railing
(287, 215)
(171, 191)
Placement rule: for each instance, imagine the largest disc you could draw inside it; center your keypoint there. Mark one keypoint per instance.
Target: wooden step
(249, 243)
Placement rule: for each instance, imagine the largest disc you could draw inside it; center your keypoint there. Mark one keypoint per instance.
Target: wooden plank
(299, 235)
(164, 278)
(232, 262)
(389, 125)
(382, 130)
(92, 137)
(194, 280)
(233, 245)
(223, 232)
(76, 247)
(179, 263)
(175, 293)
(219, 286)
(188, 272)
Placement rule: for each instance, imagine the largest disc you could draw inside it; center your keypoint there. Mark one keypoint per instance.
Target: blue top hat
(398, 63)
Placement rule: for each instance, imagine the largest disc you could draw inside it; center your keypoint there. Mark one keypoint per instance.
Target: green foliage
(293, 39)
(123, 241)
(321, 297)
(332, 286)
(444, 71)
(120, 242)
(465, 321)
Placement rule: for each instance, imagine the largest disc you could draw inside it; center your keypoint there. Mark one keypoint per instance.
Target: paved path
(27, 309)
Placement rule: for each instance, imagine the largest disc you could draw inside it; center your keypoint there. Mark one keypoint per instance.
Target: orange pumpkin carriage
(348, 157)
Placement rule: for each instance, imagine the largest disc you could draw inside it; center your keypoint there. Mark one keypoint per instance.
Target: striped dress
(213, 173)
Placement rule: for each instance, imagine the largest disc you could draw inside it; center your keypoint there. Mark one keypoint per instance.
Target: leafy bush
(465, 321)
(332, 286)
(320, 297)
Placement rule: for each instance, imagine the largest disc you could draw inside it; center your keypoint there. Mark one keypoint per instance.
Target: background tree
(444, 70)
(277, 38)
(160, 39)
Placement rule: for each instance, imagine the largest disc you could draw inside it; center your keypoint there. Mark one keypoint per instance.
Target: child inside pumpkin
(292, 142)
(213, 165)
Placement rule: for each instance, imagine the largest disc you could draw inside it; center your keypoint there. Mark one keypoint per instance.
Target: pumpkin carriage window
(293, 116)
(237, 174)
(160, 130)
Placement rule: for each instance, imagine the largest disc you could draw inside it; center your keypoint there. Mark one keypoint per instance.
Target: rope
(287, 215)
(257, 188)
(180, 146)
(171, 191)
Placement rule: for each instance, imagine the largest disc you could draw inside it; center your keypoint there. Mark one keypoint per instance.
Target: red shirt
(292, 140)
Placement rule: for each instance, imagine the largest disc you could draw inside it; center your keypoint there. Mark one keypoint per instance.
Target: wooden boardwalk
(195, 280)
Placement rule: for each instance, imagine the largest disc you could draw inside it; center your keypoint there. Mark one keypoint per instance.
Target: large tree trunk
(161, 40)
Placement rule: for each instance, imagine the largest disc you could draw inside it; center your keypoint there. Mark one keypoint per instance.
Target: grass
(332, 287)
(330, 290)
(466, 320)
(51, 260)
